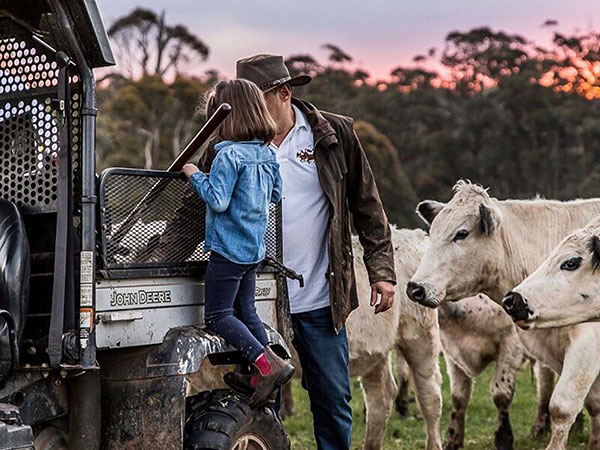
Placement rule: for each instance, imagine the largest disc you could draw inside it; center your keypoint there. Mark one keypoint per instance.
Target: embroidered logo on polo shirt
(306, 156)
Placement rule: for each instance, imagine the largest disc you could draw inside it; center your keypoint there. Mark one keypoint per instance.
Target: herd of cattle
(537, 258)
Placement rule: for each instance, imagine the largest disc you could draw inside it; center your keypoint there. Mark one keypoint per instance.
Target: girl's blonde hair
(249, 118)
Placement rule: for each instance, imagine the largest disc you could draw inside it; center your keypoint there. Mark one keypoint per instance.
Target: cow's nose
(516, 306)
(415, 292)
(508, 302)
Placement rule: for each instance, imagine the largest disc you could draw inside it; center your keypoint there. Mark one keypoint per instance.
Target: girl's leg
(223, 279)
(244, 306)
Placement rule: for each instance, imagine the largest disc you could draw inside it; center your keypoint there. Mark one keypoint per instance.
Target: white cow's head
(465, 249)
(565, 289)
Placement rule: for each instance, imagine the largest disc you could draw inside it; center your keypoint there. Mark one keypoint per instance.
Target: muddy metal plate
(141, 311)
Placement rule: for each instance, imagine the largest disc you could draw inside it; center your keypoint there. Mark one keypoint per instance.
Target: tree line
(502, 111)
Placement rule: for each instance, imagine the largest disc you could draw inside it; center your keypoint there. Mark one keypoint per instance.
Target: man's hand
(189, 169)
(385, 290)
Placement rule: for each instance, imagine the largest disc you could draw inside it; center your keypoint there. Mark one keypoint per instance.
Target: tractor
(102, 343)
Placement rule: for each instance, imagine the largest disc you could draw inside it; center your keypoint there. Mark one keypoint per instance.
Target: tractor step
(13, 434)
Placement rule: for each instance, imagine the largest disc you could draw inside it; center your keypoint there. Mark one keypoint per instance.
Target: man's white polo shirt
(306, 213)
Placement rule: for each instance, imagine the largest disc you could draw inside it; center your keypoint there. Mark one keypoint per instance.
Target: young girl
(244, 179)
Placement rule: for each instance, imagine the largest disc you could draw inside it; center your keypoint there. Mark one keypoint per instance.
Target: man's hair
(249, 118)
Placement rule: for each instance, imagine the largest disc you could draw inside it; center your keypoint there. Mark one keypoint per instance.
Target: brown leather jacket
(348, 182)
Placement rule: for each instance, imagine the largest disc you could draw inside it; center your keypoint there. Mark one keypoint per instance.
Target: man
(326, 180)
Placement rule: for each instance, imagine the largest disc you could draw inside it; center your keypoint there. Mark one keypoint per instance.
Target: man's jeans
(325, 375)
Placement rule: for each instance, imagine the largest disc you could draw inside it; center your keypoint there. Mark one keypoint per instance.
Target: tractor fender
(181, 353)
(184, 349)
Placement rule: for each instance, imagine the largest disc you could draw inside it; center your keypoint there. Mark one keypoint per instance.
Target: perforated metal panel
(156, 219)
(30, 122)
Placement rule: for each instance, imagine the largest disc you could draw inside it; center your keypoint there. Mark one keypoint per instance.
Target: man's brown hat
(268, 72)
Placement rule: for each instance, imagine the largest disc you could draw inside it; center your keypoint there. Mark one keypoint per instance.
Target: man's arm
(371, 223)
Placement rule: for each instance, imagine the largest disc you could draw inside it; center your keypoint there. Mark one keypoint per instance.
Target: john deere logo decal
(141, 297)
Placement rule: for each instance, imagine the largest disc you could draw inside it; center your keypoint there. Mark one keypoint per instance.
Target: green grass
(409, 434)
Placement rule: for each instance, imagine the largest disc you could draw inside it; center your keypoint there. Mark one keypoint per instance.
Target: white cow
(565, 288)
(407, 326)
(481, 244)
(474, 333)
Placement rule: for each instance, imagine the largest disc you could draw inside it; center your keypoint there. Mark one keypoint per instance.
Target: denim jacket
(244, 179)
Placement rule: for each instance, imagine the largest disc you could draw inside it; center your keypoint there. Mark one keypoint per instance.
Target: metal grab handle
(285, 271)
(201, 137)
(120, 316)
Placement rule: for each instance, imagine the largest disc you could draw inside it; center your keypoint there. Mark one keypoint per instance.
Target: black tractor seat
(15, 266)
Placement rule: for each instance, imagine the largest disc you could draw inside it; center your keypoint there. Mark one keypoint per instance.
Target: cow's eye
(460, 235)
(571, 264)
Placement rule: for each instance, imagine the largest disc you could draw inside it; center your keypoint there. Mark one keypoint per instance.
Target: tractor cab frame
(101, 336)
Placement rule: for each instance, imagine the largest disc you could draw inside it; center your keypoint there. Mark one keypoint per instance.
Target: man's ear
(488, 219)
(428, 209)
(285, 92)
(595, 247)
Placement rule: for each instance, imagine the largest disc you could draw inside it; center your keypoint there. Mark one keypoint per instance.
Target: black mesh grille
(155, 219)
(75, 135)
(30, 122)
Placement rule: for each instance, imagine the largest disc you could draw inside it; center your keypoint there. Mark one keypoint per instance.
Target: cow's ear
(428, 209)
(488, 219)
(595, 247)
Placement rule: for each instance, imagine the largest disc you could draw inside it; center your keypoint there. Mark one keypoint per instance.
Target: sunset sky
(380, 34)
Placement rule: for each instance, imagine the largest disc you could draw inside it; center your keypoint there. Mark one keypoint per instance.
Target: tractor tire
(222, 420)
(50, 438)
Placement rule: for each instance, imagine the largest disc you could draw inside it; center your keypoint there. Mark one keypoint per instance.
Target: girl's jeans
(229, 308)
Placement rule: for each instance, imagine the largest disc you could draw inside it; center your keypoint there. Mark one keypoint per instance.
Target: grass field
(409, 434)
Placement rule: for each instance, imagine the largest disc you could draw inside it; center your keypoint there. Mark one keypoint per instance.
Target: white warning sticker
(87, 294)
(87, 267)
